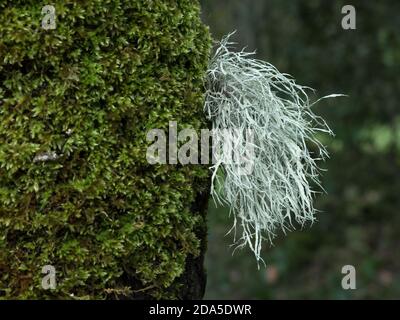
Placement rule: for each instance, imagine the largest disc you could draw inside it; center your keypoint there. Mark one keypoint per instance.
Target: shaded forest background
(360, 221)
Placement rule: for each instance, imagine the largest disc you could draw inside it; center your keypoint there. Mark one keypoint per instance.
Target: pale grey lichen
(244, 93)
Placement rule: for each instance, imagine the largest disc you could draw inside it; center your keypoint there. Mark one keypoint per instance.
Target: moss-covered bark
(88, 91)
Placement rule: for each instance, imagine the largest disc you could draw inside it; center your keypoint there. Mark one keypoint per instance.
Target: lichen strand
(111, 224)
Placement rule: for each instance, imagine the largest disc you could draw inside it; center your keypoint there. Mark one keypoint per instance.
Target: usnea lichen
(244, 94)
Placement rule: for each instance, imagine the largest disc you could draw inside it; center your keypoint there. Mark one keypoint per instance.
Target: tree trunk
(76, 190)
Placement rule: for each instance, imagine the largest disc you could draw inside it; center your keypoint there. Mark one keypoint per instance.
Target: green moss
(100, 214)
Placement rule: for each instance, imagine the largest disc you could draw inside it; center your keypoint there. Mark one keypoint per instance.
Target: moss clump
(89, 91)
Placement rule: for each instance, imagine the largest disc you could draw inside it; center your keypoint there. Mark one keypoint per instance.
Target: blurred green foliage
(100, 214)
(359, 223)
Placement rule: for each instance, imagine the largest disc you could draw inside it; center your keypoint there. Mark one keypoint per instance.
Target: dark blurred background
(360, 221)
